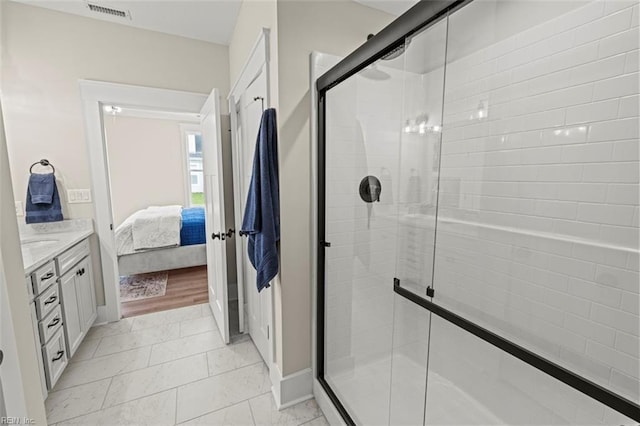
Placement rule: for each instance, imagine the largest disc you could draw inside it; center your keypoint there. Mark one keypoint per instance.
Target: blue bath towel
(41, 188)
(262, 212)
(43, 212)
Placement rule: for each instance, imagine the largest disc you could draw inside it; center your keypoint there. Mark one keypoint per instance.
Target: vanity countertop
(44, 241)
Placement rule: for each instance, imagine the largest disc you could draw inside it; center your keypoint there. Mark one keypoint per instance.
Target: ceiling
(210, 20)
(206, 20)
(394, 7)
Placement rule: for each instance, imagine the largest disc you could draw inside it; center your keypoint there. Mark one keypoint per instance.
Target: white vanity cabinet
(48, 327)
(63, 308)
(78, 293)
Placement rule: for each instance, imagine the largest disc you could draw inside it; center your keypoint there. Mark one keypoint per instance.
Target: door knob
(230, 232)
(220, 235)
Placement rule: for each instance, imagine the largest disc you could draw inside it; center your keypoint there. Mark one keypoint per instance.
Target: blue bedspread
(192, 231)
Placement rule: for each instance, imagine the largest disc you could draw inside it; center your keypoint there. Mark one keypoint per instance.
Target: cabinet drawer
(50, 325)
(29, 286)
(55, 358)
(72, 256)
(43, 277)
(47, 301)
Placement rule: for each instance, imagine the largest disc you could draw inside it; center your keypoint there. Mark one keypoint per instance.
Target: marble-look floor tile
(154, 410)
(110, 329)
(86, 350)
(236, 415)
(166, 317)
(102, 367)
(206, 310)
(319, 421)
(185, 346)
(265, 412)
(77, 401)
(135, 339)
(232, 356)
(197, 326)
(150, 380)
(214, 393)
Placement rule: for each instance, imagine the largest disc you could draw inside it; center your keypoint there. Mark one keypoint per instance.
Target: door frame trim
(94, 95)
(258, 58)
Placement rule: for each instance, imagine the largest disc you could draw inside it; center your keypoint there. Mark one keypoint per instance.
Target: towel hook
(43, 162)
(261, 101)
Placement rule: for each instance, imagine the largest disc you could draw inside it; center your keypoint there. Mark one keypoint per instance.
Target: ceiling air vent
(109, 11)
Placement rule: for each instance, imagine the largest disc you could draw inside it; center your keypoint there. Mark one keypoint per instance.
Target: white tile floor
(169, 368)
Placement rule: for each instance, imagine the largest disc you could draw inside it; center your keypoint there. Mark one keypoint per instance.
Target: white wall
(45, 54)
(252, 18)
(146, 164)
(538, 219)
(336, 27)
(20, 378)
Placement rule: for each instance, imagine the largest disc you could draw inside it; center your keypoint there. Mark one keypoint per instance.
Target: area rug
(143, 286)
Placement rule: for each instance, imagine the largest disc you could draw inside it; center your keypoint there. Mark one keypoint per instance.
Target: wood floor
(185, 287)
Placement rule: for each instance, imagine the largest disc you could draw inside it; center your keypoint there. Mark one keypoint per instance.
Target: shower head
(395, 52)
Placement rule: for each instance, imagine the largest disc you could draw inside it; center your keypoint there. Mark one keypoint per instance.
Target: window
(195, 171)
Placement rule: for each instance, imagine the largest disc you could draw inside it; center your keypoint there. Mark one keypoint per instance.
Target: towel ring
(44, 163)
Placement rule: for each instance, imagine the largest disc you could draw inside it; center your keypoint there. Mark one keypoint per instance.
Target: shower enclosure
(478, 217)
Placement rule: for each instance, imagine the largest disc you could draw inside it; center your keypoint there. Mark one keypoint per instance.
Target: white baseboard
(292, 389)
(325, 404)
(102, 315)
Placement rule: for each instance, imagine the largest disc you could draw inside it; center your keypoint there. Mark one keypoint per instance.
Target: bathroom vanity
(59, 279)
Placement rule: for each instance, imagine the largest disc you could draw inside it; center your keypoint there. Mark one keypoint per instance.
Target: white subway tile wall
(537, 232)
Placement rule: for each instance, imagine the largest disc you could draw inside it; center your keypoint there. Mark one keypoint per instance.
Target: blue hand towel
(41, 188)
(262, 212)
(37, 213)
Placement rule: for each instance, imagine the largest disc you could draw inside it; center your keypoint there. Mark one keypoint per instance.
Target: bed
(161, 238)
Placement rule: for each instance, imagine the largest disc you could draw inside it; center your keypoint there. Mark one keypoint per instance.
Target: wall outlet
(76, 196)
(19, 208)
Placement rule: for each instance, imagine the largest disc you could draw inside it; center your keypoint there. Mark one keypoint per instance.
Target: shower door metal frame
(418, 18)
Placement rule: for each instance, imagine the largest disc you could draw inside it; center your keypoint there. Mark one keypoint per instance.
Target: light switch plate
(76, 196)
(19, 208)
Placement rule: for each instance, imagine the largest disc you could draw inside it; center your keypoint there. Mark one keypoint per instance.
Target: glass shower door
(424, 73)
(363, 117)
(535, 240)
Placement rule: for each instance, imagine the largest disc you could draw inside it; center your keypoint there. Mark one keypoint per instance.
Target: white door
(214, 213)
(249, 114)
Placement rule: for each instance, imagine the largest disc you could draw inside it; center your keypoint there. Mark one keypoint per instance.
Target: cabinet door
(86, 294)
(72, 320)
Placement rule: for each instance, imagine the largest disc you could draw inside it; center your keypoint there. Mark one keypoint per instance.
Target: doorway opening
(156, 176)
(197, 113)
